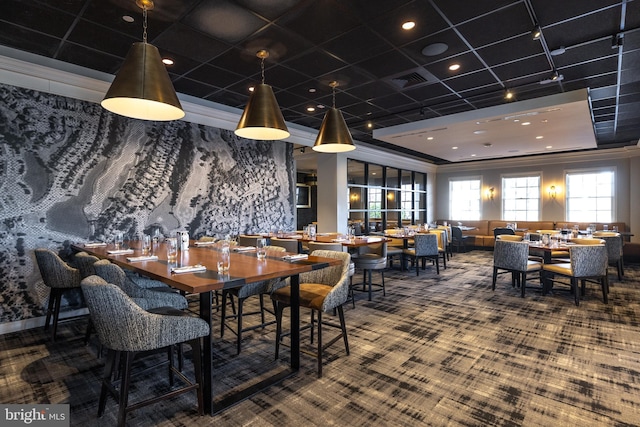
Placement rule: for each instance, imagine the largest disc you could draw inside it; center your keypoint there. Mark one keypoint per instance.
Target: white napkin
(94, 244)
(120, 251)
(297, 257)
(204, 243)
(243, 248)
(189, 269)
(142, 258)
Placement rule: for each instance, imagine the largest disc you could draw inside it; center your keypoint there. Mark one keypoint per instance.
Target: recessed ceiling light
(409, 25)
(454, 67)
(479, 132)
(311, 109)
(525, 123)
(251, 88)
(539, 137)
(473, 155)
(516, 120)
(454, 148)
(312, 90)
(549, 146)
(320, 106)
(508, 95)
(167, 61)
(430, 138)
(369, 125)
(127, 18)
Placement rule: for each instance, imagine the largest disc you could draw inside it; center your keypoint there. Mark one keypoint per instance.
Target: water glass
(224, 260)
(146, 244)
(605, 227)
(172, 249)
(118, 240)
(261, 249)
(615, 228)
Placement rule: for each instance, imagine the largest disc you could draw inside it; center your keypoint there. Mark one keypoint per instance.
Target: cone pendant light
(262, 118)
(334, 135)
(142, 88)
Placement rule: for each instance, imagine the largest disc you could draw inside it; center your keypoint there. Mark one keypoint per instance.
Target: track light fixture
(555, 75)
(536, 33)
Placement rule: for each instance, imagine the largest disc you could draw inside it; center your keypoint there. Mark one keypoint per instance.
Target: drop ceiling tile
(511, 21)
(101, 39)
(190, 43)
(471, 10)
(224, 20)
(45, 19)
(468, 62)
(356, 45)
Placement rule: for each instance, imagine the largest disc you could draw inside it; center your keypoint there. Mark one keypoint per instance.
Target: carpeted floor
(436, 350)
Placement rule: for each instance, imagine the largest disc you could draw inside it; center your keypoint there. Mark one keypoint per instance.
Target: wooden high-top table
(245, 268)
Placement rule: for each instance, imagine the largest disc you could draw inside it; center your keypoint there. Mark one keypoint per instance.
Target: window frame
(503, 192)
(591, 171)
(477, 178)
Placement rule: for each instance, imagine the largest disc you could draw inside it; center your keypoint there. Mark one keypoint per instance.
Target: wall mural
(71, 171)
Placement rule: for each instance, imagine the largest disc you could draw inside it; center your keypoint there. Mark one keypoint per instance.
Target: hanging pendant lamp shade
(334, 135)
(262, 118)
(142, 88)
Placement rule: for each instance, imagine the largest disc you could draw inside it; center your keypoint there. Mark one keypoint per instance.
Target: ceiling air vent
(412, 78)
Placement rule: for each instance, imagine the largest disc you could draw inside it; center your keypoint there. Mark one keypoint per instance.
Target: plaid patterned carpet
(436, 350)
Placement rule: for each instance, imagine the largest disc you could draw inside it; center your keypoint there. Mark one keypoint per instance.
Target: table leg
(207, 350)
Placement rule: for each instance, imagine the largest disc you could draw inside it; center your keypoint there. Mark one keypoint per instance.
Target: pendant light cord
(262, 69)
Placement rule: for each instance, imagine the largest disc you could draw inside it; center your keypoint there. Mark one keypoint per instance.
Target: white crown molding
(547, 159)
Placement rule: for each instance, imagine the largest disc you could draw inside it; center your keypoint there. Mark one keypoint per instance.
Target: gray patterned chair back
(145, 298)
(336, 276)
(502, 230)
(265, 286)
(426, 244)
(123, 326)
(85, 262)
(614, 247)
(588, 260)
(511, 255)
(290, 245)
(54, 271)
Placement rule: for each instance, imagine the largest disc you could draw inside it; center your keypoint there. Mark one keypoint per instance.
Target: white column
(333, 213)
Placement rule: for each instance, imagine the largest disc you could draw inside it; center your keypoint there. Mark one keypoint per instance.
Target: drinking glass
(224, 260)
(118, 240)
(312, 231)
(146, 244)
(172, 249)
(615, 228)
(605, 227)
(261, 250)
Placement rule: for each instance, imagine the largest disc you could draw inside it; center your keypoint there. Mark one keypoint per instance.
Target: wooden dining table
(245, 268)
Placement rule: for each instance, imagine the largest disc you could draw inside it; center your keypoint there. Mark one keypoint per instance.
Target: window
(590, 196)
(464, 199)
(521, 198)
(383, 197)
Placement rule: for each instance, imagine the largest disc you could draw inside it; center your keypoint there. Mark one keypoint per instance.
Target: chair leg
(106, 379)
(319, 342)
(351, 294)
(50, 306)
(124, 388)
(197, 367)
(344, 329)
(576, 291)
(239, 314)
(495, 277)
(384, 290)
(605, 289)
(523, 283)
(224, 313)
(370, 284)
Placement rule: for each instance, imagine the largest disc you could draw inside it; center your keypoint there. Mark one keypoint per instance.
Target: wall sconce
(490, 193)
(552, 192)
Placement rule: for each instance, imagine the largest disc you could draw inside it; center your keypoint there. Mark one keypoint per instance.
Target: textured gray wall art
(68, 168)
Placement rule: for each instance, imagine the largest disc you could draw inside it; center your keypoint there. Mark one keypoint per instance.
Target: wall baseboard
(36, 322)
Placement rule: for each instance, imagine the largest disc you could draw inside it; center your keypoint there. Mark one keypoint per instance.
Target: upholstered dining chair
(369, 258)
(425, 247)
(448, 240)
(614, 244)
(59, 277)
(146, 298)
(458, 239)
(442, 244)
(513, 257)
(502, 230)
(321, 291)
(587, 263)
(126, 329)
(509, 237)
(246, 240)
(314, 246)
(241, 294)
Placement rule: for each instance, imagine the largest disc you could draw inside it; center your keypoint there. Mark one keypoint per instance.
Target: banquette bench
(482, 234)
